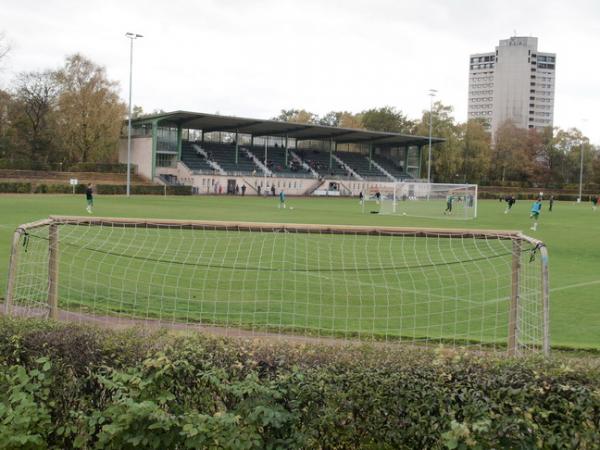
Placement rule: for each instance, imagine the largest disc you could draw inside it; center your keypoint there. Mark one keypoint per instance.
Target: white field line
(571, 286)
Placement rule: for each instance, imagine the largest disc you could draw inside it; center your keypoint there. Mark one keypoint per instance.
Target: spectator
(273, 190)
(243, 190)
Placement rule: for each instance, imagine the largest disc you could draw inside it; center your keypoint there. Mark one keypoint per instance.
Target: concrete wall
(141, 155)
(217, 184)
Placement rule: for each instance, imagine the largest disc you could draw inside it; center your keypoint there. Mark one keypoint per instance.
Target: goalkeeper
(536, 208)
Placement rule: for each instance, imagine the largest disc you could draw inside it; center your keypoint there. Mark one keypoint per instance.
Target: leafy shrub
(65, 386)
(15, 187)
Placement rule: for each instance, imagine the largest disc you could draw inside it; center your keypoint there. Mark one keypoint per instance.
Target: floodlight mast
(431, 94)
(580, 199)
(131, 37)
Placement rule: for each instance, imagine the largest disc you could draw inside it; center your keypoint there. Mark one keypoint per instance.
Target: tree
(36, 94)
(446, 157)
(297, 115)
(386, 118)
(509, 155)
(476, 151)
(90, 112)
(4, 46)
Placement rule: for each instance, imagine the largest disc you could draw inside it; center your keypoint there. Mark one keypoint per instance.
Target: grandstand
(390, 167)
(195, 160)
(363, 166)
(214, 153)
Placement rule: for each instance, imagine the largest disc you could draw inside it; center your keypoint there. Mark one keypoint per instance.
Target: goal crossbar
(291, 227)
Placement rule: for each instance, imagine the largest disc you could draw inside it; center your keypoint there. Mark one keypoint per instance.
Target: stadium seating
(224, 155)
(195, 161)
(390, 167)
(276, 162)
(360, 164)
(319, 161)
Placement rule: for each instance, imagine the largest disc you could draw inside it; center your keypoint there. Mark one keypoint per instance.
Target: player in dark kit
(89, 196)
(510, 201)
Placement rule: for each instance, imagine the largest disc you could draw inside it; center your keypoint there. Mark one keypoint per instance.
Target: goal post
(457, 287)
(442, 200)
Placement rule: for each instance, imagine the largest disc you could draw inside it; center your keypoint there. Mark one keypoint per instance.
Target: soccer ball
(403, 213)
(291, 207)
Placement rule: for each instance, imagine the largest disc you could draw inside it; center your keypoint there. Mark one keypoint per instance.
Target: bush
(67, 386)
(15, 187)
(114, 189)
(65, 167)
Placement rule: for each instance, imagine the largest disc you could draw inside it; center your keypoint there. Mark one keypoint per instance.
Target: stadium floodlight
(431, 94)
(581, 167)
(131, 37)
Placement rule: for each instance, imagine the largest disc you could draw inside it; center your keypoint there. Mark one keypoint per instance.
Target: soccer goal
(473, 288)
(453, 201)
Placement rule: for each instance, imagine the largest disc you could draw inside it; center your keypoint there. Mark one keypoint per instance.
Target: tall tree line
(65, 116)
(523, 157)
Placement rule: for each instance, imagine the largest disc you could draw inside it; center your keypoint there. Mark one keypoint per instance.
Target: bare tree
(36, 95)
(4, 46)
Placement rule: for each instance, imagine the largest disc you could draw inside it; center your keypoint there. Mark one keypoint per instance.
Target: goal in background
(482, 289)
(430, 200)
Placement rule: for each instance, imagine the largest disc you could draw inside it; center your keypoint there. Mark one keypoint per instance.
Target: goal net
(472, 288)
(453, 201)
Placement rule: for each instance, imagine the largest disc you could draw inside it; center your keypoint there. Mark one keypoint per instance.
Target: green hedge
(65, 167)
(104, 189)
(65, 386)
(15, 187)
(533, 196)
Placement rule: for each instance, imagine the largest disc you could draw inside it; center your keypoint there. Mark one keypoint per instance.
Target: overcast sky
(255, 57)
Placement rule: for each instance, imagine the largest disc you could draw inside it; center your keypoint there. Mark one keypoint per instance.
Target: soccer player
(551, 203)
(510, 201)
(361, 198)
(594, 202)
(449, 201)
(281, 199)
(89, 196)
(536, 209)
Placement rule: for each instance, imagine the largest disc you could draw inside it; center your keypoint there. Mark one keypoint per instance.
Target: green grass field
(571, 233)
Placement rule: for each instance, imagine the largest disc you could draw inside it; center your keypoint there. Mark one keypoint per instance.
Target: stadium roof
(300, 131)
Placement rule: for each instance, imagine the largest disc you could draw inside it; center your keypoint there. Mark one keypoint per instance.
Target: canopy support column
(330, 155)
(236, 146)
(406, 161)
(420, 153)
(154, 147)
(286, 150)
(370, 156)
(179, 139)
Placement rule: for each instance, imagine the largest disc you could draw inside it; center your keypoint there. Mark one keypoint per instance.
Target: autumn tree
(386, 118)
(90, 112)
(509, 155)
(446, 157)
(476, 151)
(297, 116)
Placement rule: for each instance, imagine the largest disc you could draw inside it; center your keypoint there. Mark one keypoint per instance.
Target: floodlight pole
(131, 37)
(431, 94)
(265, 171)
(580, 170)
